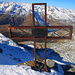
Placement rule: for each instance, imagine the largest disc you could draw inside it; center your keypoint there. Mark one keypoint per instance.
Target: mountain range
(14, 13)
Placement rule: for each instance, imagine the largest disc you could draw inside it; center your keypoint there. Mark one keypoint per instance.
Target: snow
(3, 60)
(13, 54)
(59, 62)
(60, 69)
(9, 8)
(55, 72)
(31, 46)
(22, 70)
(61, 13)
(10, 48)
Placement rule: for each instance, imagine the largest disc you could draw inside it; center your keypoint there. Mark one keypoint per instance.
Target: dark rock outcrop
(1, 51)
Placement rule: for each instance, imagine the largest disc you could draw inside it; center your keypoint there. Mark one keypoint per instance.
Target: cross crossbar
(41, 27)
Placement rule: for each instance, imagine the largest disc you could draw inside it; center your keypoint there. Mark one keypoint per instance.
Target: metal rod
(59, 27)
(45, 55)
(33, 15)
(58, 37)
(38, 3)
(9, 32)
(21, 27)
(45, 15)
(30, 37)
(70, 34)
(35, 52)
(31, 27)
(39, 38)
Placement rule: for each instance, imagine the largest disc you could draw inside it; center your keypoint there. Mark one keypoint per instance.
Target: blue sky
(68, 4)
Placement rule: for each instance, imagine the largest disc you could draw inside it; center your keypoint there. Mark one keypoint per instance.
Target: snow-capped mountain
(61, 13)
(13, 8)
(24, 8)
(20, 14)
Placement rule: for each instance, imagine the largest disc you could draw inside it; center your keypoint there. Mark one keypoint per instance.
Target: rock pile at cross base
(63, 69)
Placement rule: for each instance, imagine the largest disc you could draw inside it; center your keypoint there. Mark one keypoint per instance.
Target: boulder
(50, 63)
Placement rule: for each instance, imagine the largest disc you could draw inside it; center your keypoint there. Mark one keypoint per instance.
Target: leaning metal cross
(41, 32)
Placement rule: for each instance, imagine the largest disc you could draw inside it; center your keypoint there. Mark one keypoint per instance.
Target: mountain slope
(11, 54)
(61, 13)
(12, 50)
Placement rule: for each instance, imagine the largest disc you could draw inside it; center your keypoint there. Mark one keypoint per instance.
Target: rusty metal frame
(39, 27)
(31, 27)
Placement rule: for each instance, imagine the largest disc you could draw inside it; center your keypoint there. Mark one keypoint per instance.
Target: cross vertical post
(45, 55)
(35, 52)
(39, 37)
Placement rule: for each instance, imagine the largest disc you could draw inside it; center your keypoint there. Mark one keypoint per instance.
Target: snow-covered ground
(14, 53)
(23, 70)
(66, 49)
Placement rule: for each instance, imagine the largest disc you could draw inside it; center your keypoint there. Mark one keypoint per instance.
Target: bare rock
(72, 65)
(49, 63)
(39, 59)
(31, 63)
(1, 51)
(71, 70)
(21, 64)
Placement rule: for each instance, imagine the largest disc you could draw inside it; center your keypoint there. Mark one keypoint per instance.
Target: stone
(1, 51)
(39, 46)
(39, 59)
(31, 63)
(49, 63)
(21, 64)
